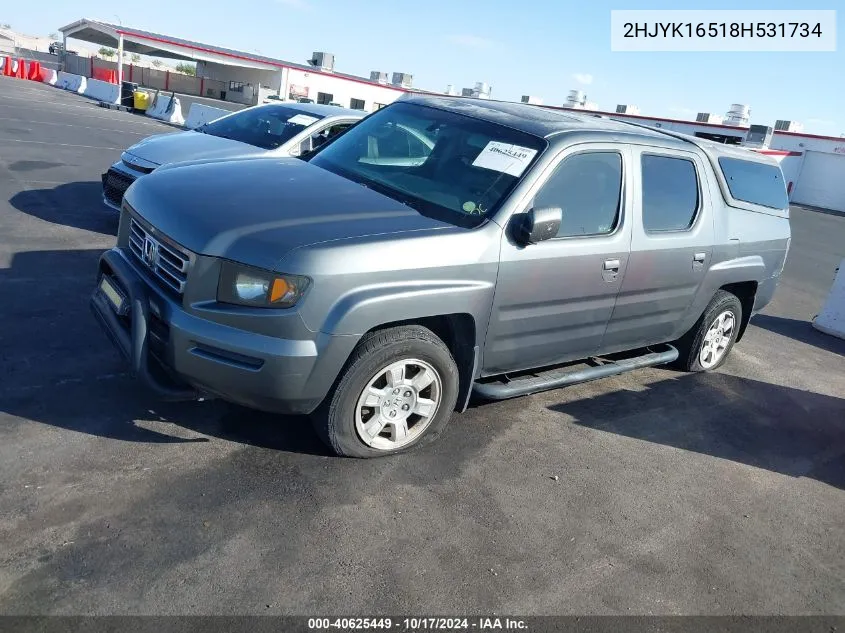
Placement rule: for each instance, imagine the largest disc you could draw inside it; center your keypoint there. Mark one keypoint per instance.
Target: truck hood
(255, 211)
(182, 146)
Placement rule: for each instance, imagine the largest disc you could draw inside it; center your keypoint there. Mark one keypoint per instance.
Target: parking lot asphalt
(655, 492)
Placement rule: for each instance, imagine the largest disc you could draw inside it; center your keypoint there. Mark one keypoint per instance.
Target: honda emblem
(150, 252)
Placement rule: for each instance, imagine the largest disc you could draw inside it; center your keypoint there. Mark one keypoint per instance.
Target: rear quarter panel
(751, 244)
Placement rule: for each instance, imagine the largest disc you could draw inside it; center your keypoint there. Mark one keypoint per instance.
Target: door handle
(611, 264)
(699, 258)
(610, 270)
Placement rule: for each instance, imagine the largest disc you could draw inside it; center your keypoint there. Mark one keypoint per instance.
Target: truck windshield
(267, 127)
(446, 165)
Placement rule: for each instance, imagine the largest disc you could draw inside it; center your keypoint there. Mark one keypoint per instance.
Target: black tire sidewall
(418, 343)
(720, 303)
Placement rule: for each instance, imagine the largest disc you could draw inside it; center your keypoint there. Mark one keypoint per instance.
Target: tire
(691, 346)
(347, 416)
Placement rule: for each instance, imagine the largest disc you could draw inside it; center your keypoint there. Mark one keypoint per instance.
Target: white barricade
(163, 110)
(49, 76)
(831, 320)
(74, 83)
(102, 91)
(200, 114)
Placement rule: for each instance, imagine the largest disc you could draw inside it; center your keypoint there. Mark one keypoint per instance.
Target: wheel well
(457, 331)
(745, 292)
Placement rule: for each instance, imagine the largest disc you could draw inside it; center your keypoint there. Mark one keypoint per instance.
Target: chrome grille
(167, 263)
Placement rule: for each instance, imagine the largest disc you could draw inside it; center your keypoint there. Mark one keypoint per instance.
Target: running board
(555, 378)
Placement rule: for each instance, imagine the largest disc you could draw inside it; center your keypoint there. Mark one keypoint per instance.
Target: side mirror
(538, 225)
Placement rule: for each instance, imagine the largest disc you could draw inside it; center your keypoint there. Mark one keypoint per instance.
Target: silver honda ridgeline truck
(441, 247)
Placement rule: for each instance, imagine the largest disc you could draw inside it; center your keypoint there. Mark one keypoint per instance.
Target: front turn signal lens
(247, 286)
(279, 290)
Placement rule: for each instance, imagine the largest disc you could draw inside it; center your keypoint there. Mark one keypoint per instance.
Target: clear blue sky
(542, 47)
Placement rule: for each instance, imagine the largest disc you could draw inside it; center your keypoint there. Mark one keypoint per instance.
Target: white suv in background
(279, 129)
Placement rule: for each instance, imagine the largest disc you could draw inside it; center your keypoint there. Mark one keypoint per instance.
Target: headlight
(247, 286)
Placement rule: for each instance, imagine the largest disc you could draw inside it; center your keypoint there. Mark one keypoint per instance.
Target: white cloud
(583, 78)
(471, 41)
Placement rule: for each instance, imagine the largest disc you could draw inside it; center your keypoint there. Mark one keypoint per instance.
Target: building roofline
(652, 118)
(257, 59)
(699, 123)
(223, 52)
(841, 139)
(281, 64)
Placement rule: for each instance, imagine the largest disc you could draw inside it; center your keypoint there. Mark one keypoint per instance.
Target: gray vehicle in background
(442, 247)
(279, 129)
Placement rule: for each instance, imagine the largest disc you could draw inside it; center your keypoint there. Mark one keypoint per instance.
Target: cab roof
(548, 122)
(531, 119)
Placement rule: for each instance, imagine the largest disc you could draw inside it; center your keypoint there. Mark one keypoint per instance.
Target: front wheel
(706, 346)
(398, 390)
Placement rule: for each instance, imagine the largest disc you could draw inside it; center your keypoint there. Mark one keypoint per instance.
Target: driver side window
(588, 188)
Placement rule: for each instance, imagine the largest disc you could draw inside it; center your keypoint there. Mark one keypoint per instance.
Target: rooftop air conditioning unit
(322, 61)
(707, 117)
(788, 126)
(403, 80)
(739, 115)
(378, 77)
(531, 100)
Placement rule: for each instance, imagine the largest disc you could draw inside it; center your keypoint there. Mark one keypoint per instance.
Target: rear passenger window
(670, 193)
(756, 183)
(587, 187)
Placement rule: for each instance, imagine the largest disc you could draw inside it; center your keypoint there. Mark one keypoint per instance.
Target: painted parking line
(41, 182)
(14, 140)
(83, 104)
(132, 122)
(80, 105)
(84, 127)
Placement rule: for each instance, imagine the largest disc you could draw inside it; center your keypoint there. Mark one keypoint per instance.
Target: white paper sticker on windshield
(302, 119)
(508, 159)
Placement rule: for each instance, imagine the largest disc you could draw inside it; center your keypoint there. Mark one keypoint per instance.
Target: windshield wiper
(390, 192)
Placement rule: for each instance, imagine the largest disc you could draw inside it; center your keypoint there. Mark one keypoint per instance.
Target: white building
(320, 84)
(246, 77)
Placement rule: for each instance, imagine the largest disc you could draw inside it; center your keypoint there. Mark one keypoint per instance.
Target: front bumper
(180, 356)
